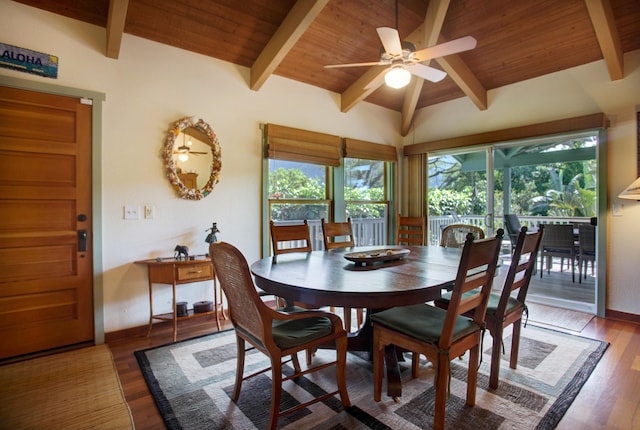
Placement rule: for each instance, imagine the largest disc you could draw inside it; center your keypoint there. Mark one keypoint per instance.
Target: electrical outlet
(149, 212)
(131, 212)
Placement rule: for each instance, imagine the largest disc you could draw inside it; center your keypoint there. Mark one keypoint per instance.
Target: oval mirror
(192, 158)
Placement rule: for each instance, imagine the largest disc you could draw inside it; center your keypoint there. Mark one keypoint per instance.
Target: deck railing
(373, 232)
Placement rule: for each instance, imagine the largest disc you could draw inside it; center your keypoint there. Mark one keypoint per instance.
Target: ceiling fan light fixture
(397, 77)
(183, 156)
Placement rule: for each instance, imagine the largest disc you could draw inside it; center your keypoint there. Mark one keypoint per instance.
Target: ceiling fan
(403, 59)
(183, 151)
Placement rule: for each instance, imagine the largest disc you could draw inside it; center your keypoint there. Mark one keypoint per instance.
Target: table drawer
(194, 271)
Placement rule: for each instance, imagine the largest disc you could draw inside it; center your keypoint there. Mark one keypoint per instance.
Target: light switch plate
(131, 212)
(616, 209)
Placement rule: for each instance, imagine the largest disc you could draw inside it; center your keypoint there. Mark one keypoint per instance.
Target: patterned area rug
(192, 382)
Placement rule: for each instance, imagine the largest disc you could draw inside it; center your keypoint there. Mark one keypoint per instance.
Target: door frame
(96, 180)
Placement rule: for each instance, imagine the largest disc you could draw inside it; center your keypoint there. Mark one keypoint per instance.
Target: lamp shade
(397, 77)
(632, 192)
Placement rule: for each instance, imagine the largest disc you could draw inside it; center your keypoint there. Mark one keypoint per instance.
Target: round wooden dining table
(375, 282)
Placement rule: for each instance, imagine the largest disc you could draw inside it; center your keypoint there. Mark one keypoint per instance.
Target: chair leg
(515, 343)
(360, 316)
(347, 319)
(341, 371)
(239, 368)
(496, 351)
(276, 391)
(441, 379)
(472, 376)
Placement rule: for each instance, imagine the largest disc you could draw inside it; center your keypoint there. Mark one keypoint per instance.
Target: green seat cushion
(423, 322)
(291, 333)
(513, 304)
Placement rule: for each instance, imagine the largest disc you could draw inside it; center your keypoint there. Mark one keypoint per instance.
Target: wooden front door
(46, 294)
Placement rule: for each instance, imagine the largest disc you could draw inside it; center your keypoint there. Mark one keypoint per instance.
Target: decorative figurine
(211, 237)
(181, 252)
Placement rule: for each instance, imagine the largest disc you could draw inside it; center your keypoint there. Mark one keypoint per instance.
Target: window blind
(293, 144)
(369, 151)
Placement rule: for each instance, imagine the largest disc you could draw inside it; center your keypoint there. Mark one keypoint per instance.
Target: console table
(175, 272)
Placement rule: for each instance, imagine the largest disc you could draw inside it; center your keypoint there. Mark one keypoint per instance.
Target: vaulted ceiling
(295, 39)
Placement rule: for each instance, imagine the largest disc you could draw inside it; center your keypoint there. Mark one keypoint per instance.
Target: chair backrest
(512, 225)
(523, 264)
(246, 310)
(587, 238)
(558, 237)
(453, 235)
(411, 230)
(332, 231)
(296, 236)
(473, 283)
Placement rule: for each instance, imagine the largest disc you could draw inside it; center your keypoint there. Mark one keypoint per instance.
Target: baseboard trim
(622, 316)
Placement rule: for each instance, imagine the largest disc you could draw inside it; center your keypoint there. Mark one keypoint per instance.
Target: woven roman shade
(293, 144)
(369, 151)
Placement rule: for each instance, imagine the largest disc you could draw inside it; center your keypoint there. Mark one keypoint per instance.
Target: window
(367, 200)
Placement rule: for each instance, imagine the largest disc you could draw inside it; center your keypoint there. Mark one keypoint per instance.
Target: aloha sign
(26, 60)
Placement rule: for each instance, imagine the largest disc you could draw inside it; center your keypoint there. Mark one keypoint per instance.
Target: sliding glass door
(552, 180)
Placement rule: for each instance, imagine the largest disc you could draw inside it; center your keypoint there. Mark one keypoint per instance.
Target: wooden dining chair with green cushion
(411, 230)
(558, 240)
(441, 334)
(276, 334)
(337, 235)
(507, 307)
(586, 249)
(454, 235)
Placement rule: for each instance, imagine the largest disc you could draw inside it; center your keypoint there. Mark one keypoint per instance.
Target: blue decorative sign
(26, 60)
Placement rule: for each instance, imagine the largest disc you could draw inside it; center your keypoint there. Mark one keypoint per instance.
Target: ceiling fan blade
(197, 153)
(390, 40)
(426, 72)
(452, 47)
(371, 63)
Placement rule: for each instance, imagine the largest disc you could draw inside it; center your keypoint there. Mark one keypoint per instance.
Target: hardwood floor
(609, 400)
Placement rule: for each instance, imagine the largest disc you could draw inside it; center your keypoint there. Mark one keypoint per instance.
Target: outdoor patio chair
(453, 235)
(512, 226)
(586, 249)
(276, 334)
(558, 240)
(439, 334)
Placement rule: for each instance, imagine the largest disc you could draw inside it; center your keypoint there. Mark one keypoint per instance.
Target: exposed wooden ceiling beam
(362, 88)
(464, 78)
(293, 27)
(115, 26)
(433, 20)
(604, 25)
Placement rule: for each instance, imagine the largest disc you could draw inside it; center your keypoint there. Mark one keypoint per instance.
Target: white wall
(579, 91)
(147, 88)
(150, 86)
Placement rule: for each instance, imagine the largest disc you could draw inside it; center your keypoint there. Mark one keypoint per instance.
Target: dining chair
(512, 226)
(411, 230)
(586, 249)
(289, 238)
(439, 334)
(454, 235)
(337, 235)
(558, 240)
(506, 308)
(276, 334)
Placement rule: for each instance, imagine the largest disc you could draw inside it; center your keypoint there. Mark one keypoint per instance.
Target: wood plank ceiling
(517, 39)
